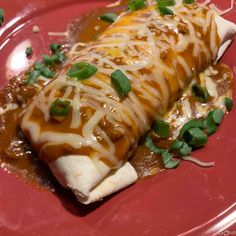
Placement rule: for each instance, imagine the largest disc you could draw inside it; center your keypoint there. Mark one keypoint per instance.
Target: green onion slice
(38, 65)
(191, 124)
(28, 51)
(109, 17)
(168, 160)
(33, 76)
(82, 70)
(2, 16)
(121, 83)
(60, 108)
(135, 5)
(181, 147)
(188, 1)
(55, 47)
(200, 93)
(228, 104)
(166, 3)
(165, 11)
(217, 116)
(46, 72)
(210, 124)
(152, 147)
(161, 128)
(195, 137)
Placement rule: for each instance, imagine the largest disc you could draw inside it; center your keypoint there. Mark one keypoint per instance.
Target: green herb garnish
(168, 160)
(188, 1)
(46, 72)
(228, 104)
(135, 5)
(195, 137)
(163, 7)
(200, 93)
(121, 83)
(2, 16)
(109, 17)
(28, 51)
(33, 76)
(55, 47)
(60, 108)
(191, 124)
(152, 147)
(181, 147)
(82, 70)
(161, 128)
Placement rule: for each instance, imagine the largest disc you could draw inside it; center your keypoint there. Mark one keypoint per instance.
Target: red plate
(189, 200)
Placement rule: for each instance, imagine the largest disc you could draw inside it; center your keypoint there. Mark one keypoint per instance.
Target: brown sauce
(17, 156)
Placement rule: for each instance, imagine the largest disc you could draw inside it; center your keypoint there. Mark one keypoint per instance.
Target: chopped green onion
(173, 163)
(28, 51)
(200, 93)
(82, 70)
(217, 116)
(55, 47)
(166, 3)
(166, 157)
(168, 160)
(38, 65)
(165, 11)
(48, 60)
(161, 128)
(33, 76)
(59, 57)
(135, 5)
(162, 7)
(228, 104)
(188, 1)
(60, 108)
(152, 147)
(176, 145)
(195, 137)
(121, 83)
(46, 72)
(210, 124)
(185, 149)
(2, 16)
(191, 124)
(109, 17)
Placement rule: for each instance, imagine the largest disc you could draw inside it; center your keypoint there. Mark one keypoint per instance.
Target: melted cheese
(142, 40)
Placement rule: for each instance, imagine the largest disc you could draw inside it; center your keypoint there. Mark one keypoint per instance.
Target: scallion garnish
(82, 70)
(162, 6)
(121, 83)
(38, 65)
(33, 76)
(135, 5)
(168, 161)
(195, 137)
(213, 120)
(161, 128)
(152, 147)
(188, 1)
(191, 124)
(228, 104)
(60, 108)
(109, 17)
(46, 72)
(200, 93)
(181, 147)
(48, 60)
(2, 16)
(55, 47)
(28, 51)
(217, 116)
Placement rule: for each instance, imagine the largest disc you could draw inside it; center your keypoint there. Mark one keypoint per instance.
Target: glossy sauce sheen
(18, 154)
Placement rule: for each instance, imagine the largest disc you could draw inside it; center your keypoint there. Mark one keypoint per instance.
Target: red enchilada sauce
(17, 156)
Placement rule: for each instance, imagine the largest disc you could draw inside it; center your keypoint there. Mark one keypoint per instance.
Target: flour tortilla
(92, 180)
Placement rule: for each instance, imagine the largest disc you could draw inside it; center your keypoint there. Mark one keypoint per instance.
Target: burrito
(86, 123)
